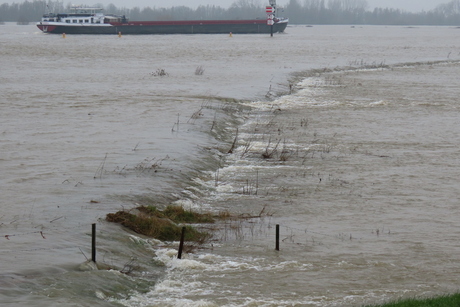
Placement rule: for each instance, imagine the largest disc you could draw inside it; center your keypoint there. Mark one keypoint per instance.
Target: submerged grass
(177, 214)
(163, 224)
(452, 300)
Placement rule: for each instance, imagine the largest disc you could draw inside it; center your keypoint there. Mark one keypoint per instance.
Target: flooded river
(346, 137)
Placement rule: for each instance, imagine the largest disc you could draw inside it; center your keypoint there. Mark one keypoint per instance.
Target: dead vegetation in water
(145, 167)
(243, 226)
(270, 151)
(160, 72)
(199, 71)
(367, 65)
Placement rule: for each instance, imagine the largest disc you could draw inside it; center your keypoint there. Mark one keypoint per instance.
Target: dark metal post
(181, 245)
(273, 5)
(277, 237)
(93, 244)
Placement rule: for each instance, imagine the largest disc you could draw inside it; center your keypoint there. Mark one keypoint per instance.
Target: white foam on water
(182, 279)
(148, 243)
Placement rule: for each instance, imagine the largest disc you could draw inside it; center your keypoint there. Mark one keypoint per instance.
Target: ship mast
(273, 5)
(272, 16)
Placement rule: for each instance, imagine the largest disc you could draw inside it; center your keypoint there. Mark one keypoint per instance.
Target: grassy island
(163, 224)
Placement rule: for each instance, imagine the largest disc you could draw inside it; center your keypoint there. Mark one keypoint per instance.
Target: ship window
(86, 20)
(74, 21)
(68, 21)
(80, 21)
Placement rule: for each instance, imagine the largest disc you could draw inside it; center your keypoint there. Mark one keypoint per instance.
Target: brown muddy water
(358, 165)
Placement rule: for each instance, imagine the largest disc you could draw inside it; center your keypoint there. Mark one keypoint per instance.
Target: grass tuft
(199, 70)
(163, 224)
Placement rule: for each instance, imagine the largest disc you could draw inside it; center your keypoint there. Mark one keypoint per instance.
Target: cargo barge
(87, 20)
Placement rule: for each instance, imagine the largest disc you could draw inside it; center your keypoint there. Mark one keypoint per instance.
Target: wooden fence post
(181, 244)
(277, 237)
(93, 244)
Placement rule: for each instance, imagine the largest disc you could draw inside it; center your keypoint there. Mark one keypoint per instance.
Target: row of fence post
(181, 244)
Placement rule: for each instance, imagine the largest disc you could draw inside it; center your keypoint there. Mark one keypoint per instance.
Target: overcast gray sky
(408, 5)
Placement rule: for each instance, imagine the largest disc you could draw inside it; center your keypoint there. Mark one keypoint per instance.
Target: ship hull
(171, 27)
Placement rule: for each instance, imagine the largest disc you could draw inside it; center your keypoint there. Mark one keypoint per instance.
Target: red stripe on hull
(46, 28)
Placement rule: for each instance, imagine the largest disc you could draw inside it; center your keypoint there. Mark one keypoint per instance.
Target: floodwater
(346, 137)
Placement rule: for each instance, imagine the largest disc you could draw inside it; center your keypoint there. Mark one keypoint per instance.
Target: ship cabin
(84, 15)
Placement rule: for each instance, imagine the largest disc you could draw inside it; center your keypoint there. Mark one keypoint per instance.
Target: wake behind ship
(91, 20)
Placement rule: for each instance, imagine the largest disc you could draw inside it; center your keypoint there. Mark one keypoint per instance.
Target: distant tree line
(356, 12)
(27, 11)
(298, 12)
